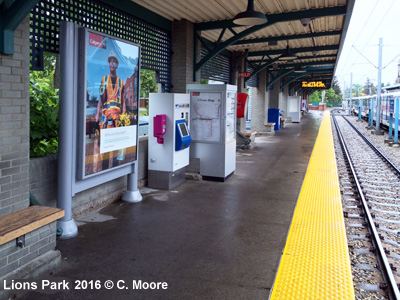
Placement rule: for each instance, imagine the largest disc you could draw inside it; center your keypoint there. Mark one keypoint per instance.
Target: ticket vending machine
(294, 108)
(169, 139)
(213, 129)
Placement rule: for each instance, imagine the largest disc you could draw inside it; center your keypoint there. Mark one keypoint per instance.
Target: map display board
(230, 116)
(206, 116)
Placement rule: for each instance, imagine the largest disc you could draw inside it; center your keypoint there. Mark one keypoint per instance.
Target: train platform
(212, 240)
(315, 263)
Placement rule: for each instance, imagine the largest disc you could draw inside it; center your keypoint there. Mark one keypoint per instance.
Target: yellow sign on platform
(312, 84)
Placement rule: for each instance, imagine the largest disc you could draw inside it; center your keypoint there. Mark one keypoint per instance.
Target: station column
(14, 124)
(260, 104)
(182, 55)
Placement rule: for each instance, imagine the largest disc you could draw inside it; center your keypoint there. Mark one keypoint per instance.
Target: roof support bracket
(278, 77)
(263, 66)
(221, 45)
(11, 15)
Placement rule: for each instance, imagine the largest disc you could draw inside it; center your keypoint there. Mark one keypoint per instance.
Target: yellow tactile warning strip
(315, 263)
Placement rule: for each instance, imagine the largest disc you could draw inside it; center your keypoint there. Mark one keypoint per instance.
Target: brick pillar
(273, 95)
(182, 55)
(283, 96)
(259, 105)
(237, 65)
(14, 124)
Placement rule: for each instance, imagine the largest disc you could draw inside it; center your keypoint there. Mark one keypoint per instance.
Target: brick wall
(43, 184)
(37, 242)
(182, 55)
(14, 124)
(273, 95)
(259, 105)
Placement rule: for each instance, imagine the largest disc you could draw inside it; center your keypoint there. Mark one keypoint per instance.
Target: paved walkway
(208, 240)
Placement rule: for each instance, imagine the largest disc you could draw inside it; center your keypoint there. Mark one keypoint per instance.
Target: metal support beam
(321, 69)
(304, 57)
(294, 50)
(261, 67)
(140, 12)
(272, 19)
(11, 15)
(278, 77)
(311, 63)
(298, 76)
(282, 17)
(287, 37)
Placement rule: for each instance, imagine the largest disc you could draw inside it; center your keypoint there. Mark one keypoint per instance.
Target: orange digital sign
(312, 84)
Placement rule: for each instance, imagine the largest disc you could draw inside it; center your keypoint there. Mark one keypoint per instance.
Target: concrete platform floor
(208, 240)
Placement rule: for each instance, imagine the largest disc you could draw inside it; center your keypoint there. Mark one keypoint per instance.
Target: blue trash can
(274, 117)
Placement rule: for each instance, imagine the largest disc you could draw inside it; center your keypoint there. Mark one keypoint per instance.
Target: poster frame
(83, 34)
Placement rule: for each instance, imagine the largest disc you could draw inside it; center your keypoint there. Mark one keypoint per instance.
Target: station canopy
(301, 39)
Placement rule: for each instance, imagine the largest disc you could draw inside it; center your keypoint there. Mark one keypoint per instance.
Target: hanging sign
(244, 74)
(313, 84)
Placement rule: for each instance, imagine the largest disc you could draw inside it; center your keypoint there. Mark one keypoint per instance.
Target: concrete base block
(67, 229)
(132, 196)
(166, 180)
(377, 132)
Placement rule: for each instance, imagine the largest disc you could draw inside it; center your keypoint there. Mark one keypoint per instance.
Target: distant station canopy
(293, 41)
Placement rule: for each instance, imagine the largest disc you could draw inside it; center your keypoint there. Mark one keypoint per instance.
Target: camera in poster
(111, 113)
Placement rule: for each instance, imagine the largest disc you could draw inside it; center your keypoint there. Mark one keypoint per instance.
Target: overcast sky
(371, 20)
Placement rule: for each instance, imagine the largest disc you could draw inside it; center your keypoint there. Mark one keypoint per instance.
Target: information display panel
(230, 133)
(206, 116)
(109, 102)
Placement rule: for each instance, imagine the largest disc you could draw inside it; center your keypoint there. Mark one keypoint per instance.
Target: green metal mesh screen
(253, 80)
(217, 68)
(47, 14)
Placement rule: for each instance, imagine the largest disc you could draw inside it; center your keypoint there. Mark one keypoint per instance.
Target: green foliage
(336, 86)
(315, 97)
(331, 97)
(369, 88)
(148, 82)
(43, 110)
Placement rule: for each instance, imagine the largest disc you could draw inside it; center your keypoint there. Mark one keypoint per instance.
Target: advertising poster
(111, 112)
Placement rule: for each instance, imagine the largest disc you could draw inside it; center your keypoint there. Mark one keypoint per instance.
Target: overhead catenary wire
(391, 61)
(366, 28)
(381, 20)
(366, 58)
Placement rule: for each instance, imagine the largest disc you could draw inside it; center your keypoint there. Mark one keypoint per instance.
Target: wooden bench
(21, 222)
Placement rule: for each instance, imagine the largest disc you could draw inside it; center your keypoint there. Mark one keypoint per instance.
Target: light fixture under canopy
(250, 17)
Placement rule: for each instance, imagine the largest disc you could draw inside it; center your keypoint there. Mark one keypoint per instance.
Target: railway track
(370, 185)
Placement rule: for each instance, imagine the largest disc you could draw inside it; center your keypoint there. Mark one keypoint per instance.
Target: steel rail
(376, 150)
(394, 292)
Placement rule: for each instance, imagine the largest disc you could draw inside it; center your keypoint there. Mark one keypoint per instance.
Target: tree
(331, 97)
(357, 90)
(43, 109)
(369, 88)
(336, 86)
(148, 82)
(315, 97)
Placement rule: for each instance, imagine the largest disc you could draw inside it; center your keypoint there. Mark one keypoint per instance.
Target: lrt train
(368, 103)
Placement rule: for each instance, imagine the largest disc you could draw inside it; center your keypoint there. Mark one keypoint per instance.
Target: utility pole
(378, 130)
(351, 92)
